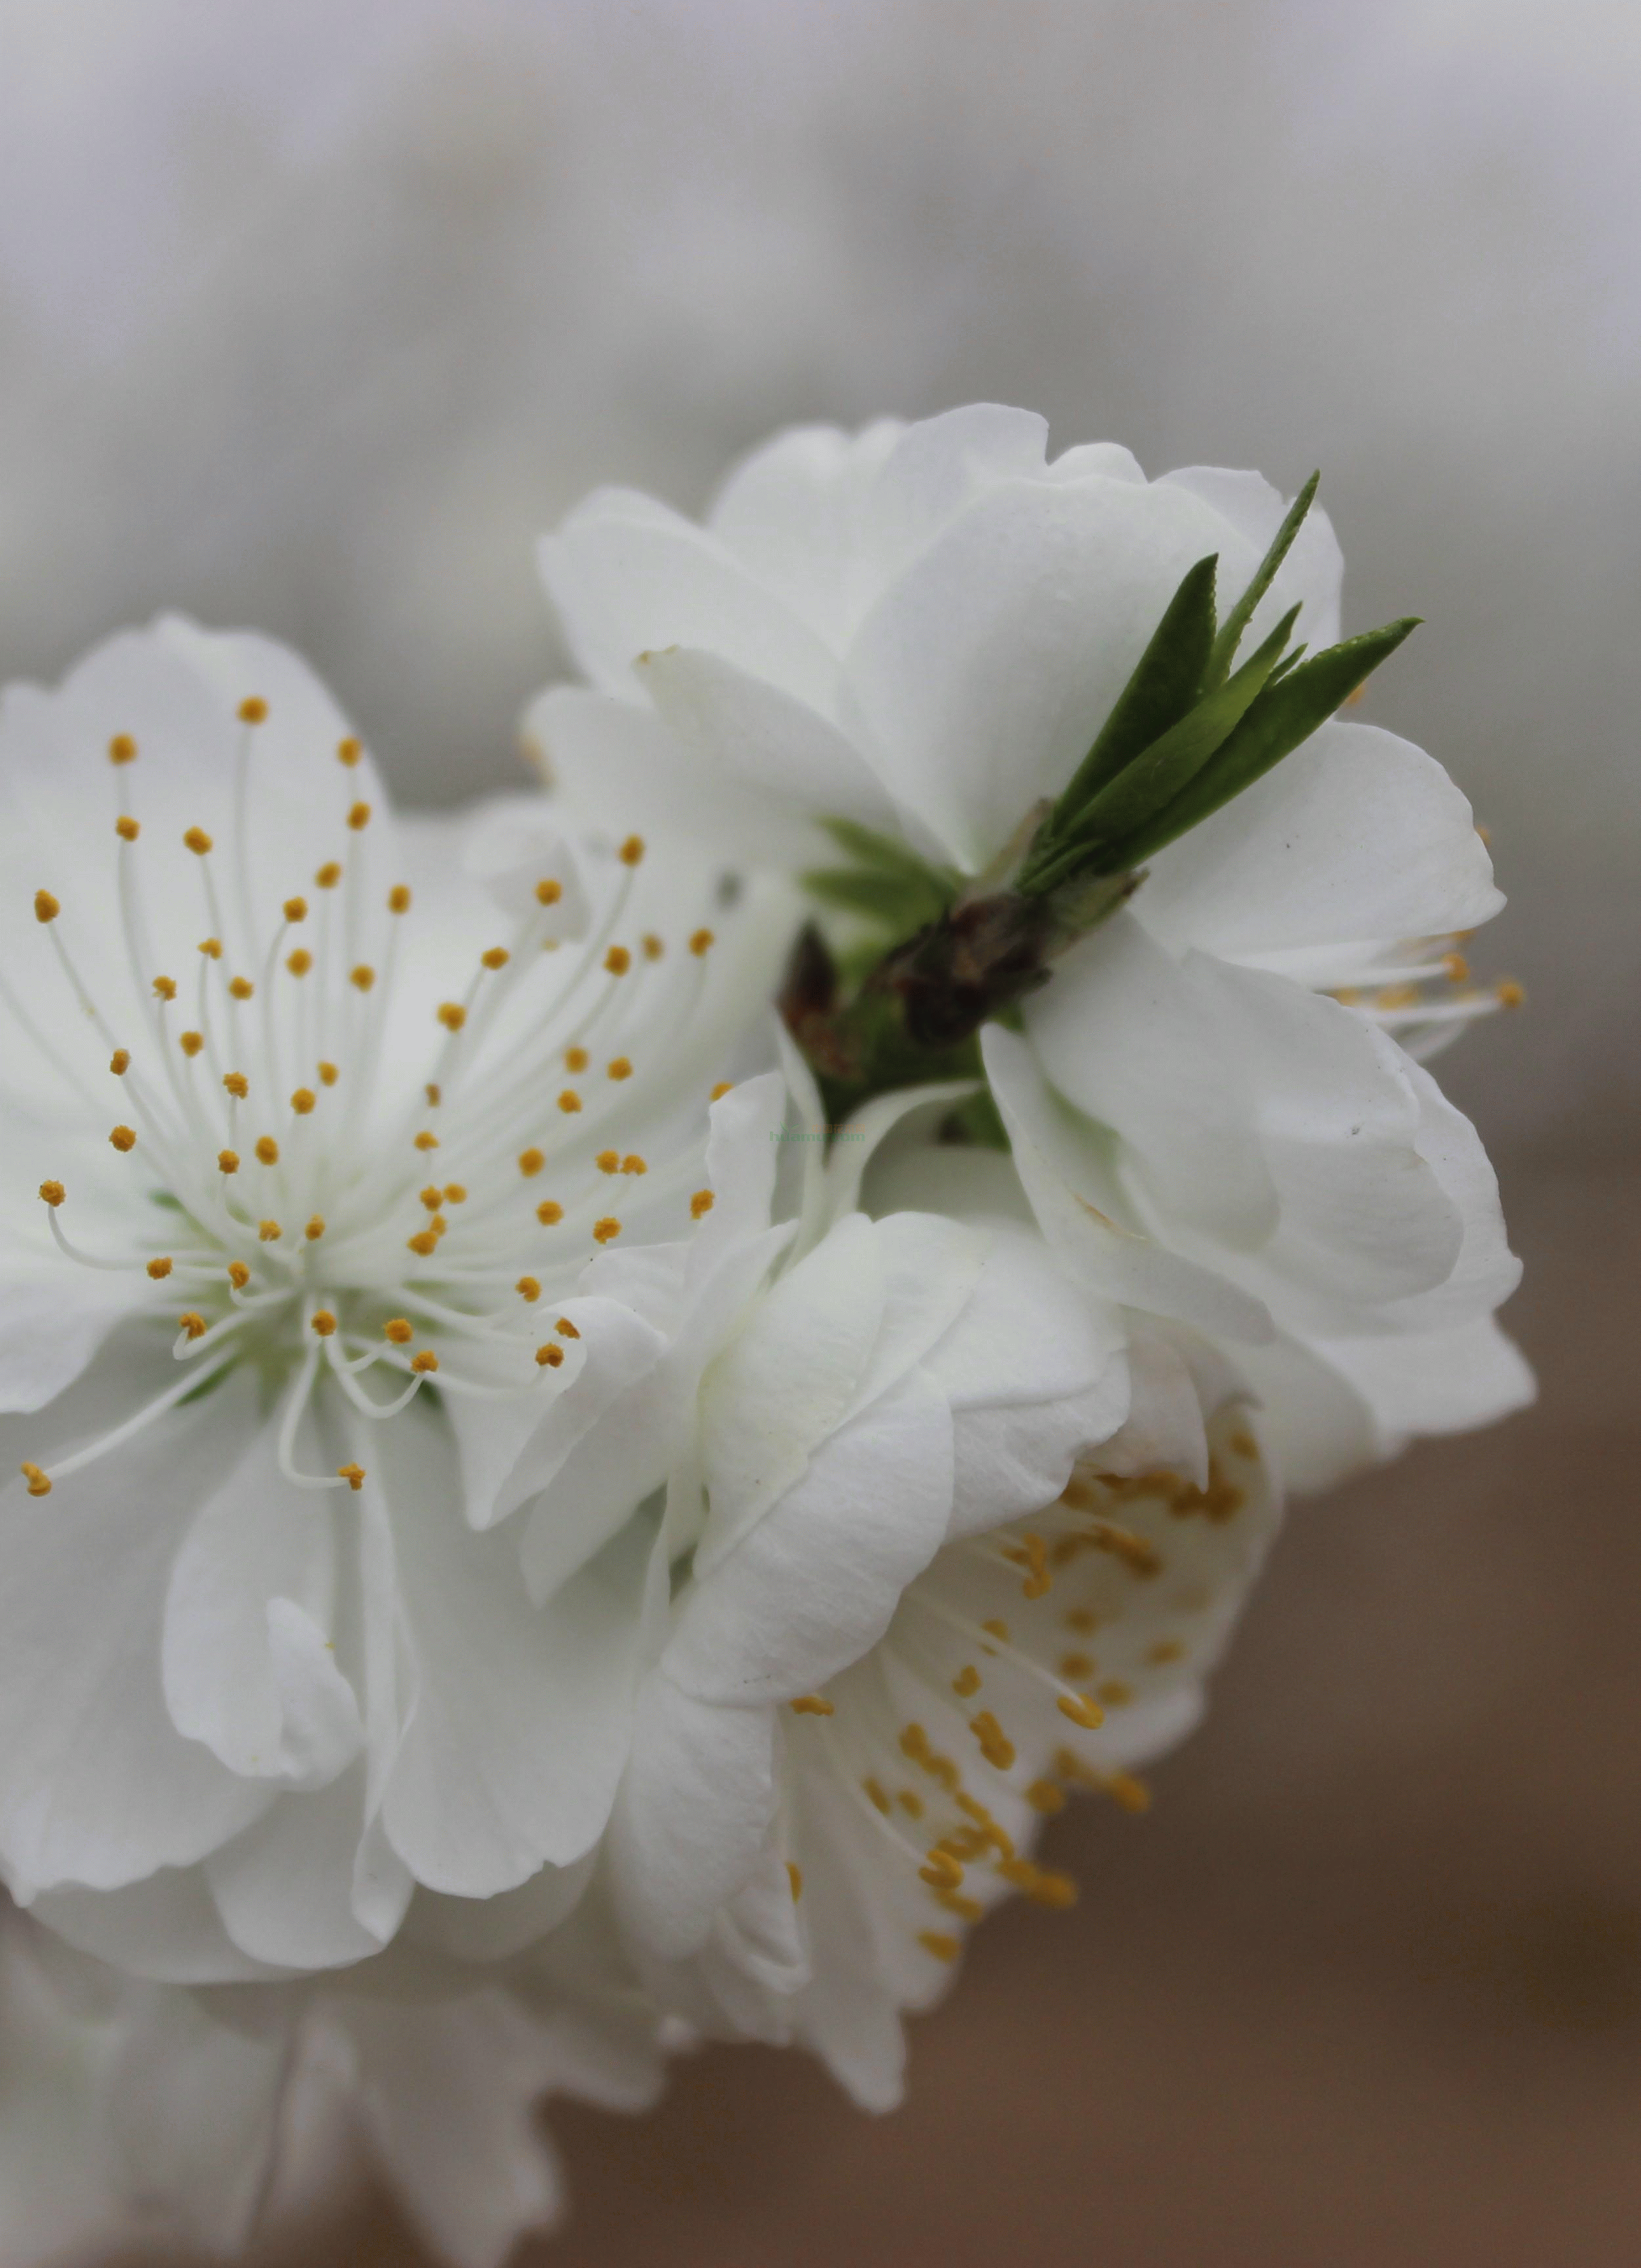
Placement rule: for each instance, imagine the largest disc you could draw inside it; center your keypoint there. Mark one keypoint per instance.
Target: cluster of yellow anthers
(383, 1255)
(1068, 1572)
(1434, 990)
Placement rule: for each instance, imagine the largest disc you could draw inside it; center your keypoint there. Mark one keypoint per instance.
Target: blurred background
(313, 312)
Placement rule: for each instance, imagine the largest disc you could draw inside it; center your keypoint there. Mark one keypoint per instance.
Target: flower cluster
(608, 1417)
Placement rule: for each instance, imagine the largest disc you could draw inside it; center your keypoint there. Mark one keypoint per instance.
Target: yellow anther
(653, 946)
(1455, 967)
(606, 1230)
(454, 1193)
(1131, 1793)
(701, 1203)
(529, 1290)
(46, 907)
(349, 752)
(995, 1746)
(238, 1086)
(1076, 1667)
(1165, 1651)
(39, 1482)
(269, 1230)
(53, 1192)
(299, 962)
(424, 1362)
(359, 816)
(315, 1229)
(608, 1161)
(227, 1161)
(812, 1705)
(239, 1274)
(328, 875)
(303, 1099)
(122, 749)
(399, 899)
(1052, 1889)
(362, 977)
(425, 1140)
(632, 850)
(566, 1328)
(967, 1683)
(569, 1101)
(938, 1942)
(127, 829)
(724, 1087)
(876, 1794)
(212, 947)
(912, 1805)
(618, 961)
(192, 1325)
(701, 942)
(295, 909)
(550, 1356)
(795, 1875)
(166, 987)
(425, 1241)
(530, 1162)
(241, 988)
(123, 1138)
(1081, 1710)
(353, 1475)
(452, 1015)
(253, 709)
(398, 1330)
(497, 957)
(433, 1094)
(619, 1069)
(548, 892)
(328, 1074)
(1115, 1693)
(633, 1164)
(549, 1213)
(1044, 1796)
(997, 1629)
(576, 1059)
(267, 1150)
(120, 1062)
(160, 1270)
(198, 841)
(190, 1042)
(1082, 1620)
(1509, 994)
(323, 1323)
(943, 1870)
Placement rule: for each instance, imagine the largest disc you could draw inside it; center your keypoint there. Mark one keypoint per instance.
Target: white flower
(133, 2111)
(923, 628)
(909, 1624)
(324, 1140)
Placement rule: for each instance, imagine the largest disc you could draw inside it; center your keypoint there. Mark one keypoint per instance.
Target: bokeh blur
(313, 312)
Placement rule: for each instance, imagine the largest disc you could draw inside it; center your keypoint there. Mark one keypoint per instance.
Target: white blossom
(922, 629)
(293, 1334)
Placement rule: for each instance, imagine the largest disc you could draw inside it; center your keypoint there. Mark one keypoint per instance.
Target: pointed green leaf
(879, 852)
(1156, 776)
(1285, 714)
(1165, 681)
(1241, 614)
(900, 903)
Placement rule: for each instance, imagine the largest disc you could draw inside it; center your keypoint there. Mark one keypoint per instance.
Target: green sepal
(1241, 614)
(1165, 683)
(1098, 844)
(1285, 714)
(887, 883)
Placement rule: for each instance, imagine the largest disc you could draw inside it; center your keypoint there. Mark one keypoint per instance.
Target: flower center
(332, 1172)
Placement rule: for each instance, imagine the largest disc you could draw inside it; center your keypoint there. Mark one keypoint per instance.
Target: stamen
(550, 1355)
(123, 1138)
(53, 1192)
(120, 1062)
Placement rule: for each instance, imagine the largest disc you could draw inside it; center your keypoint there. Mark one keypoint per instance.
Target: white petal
(791, 512)
(1127, 1034)
(1441, 1381)
(624, 581)
(979, 681)
(285, 1887)
(520, 1730)
(815, 1582)
(51, 1327)
(1063, 1174)
(96, 1784)
(166, 1927)
(1356, 840)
